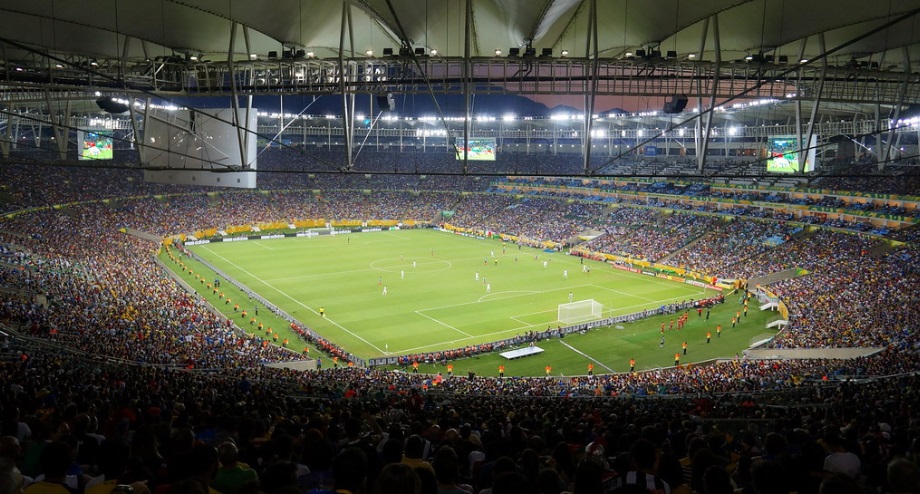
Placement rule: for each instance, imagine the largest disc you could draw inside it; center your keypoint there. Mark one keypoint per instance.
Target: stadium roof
(138, 29)
(867, 41)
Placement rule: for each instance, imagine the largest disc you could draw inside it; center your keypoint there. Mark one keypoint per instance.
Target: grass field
(433, 300)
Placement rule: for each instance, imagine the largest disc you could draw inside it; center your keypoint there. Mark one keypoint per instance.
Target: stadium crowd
(85, 425)
(118, 398)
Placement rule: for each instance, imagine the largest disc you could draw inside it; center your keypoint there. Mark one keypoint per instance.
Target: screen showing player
(479, 149)
(783, 155)
(95, 144)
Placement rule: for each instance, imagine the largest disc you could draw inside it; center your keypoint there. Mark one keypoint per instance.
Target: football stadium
(459, 246)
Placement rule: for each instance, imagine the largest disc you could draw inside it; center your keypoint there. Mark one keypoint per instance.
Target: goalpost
(581, 311)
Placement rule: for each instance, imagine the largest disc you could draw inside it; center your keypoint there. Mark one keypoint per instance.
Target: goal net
(583, 310)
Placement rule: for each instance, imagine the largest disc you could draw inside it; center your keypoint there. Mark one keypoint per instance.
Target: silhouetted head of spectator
(202, 462)
(55, 459)
(510, 483)
(227, 454)
(446, 465)
(10, 478)
(549, 482)
(903, 476)
(839, 483)
(398, 478)
(415, 447)
(769, 477)
(643, 455)
(10, 448)
(349, 470)
(113, 458)
(717, 481)
(428, 480)
(279, 477)
(392, 451)
(589, 477)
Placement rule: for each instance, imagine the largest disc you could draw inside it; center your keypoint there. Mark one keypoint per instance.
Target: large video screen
(95, 144)
(478, 149)
(783, 154)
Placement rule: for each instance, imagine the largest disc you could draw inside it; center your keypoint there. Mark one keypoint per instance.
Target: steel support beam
(805, 151)
(57, 126)
(7, 140)
(348, 96)
(698, 70)
(139, 143)
(893, 124)
(717, 48)
(241, 130)
(593, 64)
(467, 83)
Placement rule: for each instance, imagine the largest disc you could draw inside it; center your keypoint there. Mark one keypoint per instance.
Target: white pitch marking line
(343, 328)
(442, 323)
(583, 354)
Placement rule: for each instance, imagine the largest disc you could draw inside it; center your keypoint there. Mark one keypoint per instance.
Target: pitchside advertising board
(200, 147)
(308, 233)
(784, 154)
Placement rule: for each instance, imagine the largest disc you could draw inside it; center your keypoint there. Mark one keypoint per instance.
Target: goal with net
(581, 311)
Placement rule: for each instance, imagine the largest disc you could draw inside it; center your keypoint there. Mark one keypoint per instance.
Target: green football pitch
(413, 291)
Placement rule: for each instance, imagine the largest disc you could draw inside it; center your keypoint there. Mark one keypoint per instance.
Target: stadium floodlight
(581, 311)
(509, 117)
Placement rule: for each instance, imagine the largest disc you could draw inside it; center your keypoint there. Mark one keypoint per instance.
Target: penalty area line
(442, 323)
(583, 354)
(298, 302)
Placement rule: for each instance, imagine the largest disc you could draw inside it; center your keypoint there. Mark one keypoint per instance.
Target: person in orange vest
(501, 370)
(548, 369)
(719, 331)
(284, 343)
(351, 364)
(734, 321)
(632, 365)
(252, 320)
(243, 314)
(450, 370)
(684, 347)
(676, 360)
(306, 350)
(590, 369)
(236, 307)
(275, 337)
(415, 366)
(261, 326)
(708, 336)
